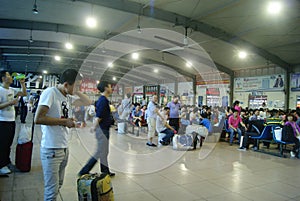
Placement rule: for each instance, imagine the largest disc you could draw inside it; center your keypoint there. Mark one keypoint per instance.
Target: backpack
(95, 187)
(287, 134)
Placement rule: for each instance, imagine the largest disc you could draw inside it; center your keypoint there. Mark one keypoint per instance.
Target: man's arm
(42, 118)
(83, 100)
(8, 103)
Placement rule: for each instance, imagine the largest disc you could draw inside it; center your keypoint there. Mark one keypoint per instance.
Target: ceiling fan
(179, 46)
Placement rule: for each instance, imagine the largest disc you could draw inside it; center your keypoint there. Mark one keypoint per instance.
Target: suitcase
(95, 187)
(121, 128)
(24, 154)
(183, 142)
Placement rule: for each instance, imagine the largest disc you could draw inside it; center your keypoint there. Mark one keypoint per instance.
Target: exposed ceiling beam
(134, 7)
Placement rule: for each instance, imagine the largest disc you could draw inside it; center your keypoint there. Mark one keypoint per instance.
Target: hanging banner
(295, 82)
(263, 83)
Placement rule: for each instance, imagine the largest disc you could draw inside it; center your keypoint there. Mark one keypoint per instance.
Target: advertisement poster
(263, 83)
(295, 82)
(298, 102)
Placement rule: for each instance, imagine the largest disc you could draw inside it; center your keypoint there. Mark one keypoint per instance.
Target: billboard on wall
(295, 82)
(263, 83)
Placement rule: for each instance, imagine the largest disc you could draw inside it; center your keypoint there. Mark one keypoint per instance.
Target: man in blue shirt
(101, 126)
(174, 106)
(137, 115)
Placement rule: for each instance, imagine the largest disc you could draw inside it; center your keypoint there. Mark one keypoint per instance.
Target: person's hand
(22, 80)
(175, 131)
(93, 129)
(70, 123)
(14, 101)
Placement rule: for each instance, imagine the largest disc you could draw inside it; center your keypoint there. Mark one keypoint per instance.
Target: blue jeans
(232, 132)
(102, 150)
(169, 135)
(54, 162)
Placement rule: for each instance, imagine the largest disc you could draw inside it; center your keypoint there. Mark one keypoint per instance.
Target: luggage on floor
(95, 187)
(122, 128)
(183, 142)
(24, 153)
(201, 130)
(23, 156)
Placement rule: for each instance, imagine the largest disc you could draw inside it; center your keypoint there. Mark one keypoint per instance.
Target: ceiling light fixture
(69, 45)
(242, 54)
(274, 7)
(35, 9)
(114, 78)
(135, 56)
(188, 64)
(110, 64)
(91, 21)
(57, 58)
(155, 70)
(45, 72)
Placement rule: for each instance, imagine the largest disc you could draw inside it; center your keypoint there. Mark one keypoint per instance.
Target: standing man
(53, 115)
(174, 106)
(8, 98)
(101, 125)
(152, 112)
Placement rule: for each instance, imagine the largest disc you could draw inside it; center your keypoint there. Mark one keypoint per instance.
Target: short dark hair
(128, 95)
(101, 86)
(2, 74)
(166, 108)
(70, 76)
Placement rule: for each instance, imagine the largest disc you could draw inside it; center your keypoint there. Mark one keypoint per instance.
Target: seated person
(137, 115)
(205, 122)
(294, 129)
(163, 127)
(194, 117)
(234, 121)
(253, 132)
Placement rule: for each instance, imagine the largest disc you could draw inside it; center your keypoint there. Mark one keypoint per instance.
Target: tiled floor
(214, 172)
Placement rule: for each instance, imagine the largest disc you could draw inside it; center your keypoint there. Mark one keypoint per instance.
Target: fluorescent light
(45, 72)
(188, 64)
(135, 56)
(57, 58)
(69, 45)
(114, 78)
(155, 70)
(40, 76)
(110, 64)
(274, 7)
(91, 22)
(97, 81)
(242, 54)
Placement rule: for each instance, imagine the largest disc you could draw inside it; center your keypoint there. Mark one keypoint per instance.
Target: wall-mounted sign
(263, 83)
(295, 82)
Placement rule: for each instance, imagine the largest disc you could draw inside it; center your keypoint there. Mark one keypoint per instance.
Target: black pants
(7, 135)
(297, 145)
(23, 113)
(246, 139)
(174, 122)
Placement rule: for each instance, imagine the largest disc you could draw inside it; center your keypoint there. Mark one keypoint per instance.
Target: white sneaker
(292, 154)
(5, 170)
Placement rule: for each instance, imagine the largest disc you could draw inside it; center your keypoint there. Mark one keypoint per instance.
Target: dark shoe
(151, 145)
(230, 144)
(13, 168)
(163, 143)
(111, 174)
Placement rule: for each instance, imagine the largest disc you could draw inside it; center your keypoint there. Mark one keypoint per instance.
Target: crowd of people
(52, 111)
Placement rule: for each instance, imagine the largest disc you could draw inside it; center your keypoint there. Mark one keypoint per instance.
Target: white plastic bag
(278, 133)
(24, 134)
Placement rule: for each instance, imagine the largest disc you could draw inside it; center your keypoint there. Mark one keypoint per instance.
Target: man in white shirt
(53, 113)
(163, 127)
(152, 112)
(8, 98)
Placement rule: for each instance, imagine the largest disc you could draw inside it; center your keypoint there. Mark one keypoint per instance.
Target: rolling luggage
(95, 187)
(24, 153)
